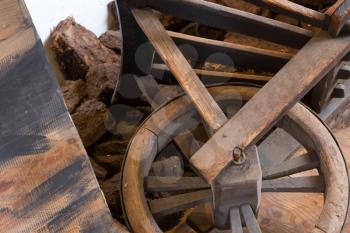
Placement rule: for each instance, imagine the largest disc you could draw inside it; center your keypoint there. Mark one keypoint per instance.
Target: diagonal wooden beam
(278, 96)
(182, 70)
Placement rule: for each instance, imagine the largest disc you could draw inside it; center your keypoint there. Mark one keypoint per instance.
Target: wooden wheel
(173, 122)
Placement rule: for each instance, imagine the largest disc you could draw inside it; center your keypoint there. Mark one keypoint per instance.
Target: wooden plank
(270, 104)
(172, 184)
(47, 182)
(177, 203)
(250, 220)
(289, 167)
(233, 20)
(289, 212)
(222, 75)
(242, 55)
(343, 137)
(307, 184)
(292, 9)
(235, 219)
(181, 69)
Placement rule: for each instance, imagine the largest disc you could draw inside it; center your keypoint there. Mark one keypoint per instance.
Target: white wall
(46, 14)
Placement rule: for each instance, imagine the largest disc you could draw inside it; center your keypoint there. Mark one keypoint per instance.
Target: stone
(109, 147)
(100, 172)
(172, 166)
(124, 121)
(101, 81)
(111, 163)
(111, 190)
(73, 93)
(78, 49)
(89, 120)
(112, 40)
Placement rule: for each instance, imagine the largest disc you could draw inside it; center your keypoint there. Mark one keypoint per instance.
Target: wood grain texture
(295, 10)
(47, 183)
(343, 137)
(181, 69)
(269, 104)
(233, 20)
(242, 55)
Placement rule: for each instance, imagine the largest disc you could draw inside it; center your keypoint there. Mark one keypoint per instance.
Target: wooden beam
(289, 167)
(250, 219)
(233, 20)
(262, 112)
(297, 11)
(177, 63)
(174, 184)
(177, 203)
(39, 142)
(236, 222)
(242, 55)
(306, 184)
(217, 74)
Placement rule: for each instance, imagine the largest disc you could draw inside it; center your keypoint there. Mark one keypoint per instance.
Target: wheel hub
(237, 186)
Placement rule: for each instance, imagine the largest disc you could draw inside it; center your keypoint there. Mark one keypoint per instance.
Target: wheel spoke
(172, 184)
(289, 167)
(177, 203)
(250, 220)
(307, 184)
(236, 222)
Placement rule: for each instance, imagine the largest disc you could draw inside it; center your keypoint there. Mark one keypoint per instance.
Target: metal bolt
(239, 156)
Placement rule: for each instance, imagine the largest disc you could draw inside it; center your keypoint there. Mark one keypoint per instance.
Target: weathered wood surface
(242, 55)
(269, 104)
(233, 20)
(46, 181)
(343, 137)
(234, 76)
(155, 135)
(295, 10)
(178, 64)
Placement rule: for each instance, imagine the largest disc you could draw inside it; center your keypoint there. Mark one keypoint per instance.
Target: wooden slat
(242, 55)
(289, 167)
(234, 20)
(307, 184)
(292, 9)
(177, 203)
(250, 220)
(218, 74)
(235, 219)
(261, 113)
(179, 66)
(171, 184)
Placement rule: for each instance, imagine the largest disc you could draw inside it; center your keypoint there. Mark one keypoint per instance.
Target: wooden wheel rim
(165, 123)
